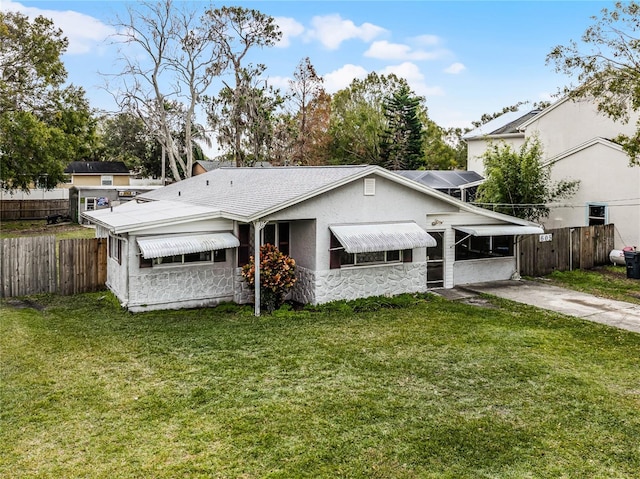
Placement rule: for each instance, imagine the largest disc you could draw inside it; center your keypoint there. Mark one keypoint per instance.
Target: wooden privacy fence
(32, 209)
(581, 247)
(28, 266)
(31, 265)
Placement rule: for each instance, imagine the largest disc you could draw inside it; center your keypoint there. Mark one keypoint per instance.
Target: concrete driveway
(586, 306)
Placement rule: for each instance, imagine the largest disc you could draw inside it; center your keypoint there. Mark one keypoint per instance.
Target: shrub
(277, 276)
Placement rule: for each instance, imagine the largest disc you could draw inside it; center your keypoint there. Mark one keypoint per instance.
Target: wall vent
(369, 186)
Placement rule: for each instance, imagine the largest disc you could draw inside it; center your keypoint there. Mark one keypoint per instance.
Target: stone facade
(181, 286)
(353, 283)
(304, 291)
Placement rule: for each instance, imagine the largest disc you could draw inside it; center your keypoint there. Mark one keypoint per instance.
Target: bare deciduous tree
(169, 62)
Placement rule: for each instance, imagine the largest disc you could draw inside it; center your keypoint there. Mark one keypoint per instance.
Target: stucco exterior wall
(572, 123)
(605, 178)
(480, 270)
(117, 273)
(477, 147)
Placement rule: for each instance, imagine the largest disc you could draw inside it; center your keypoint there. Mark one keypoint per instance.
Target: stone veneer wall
(353, 283)
(180, 287)
(304, 291)
(243, 294)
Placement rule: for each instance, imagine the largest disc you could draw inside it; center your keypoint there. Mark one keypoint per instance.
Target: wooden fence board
(570, 248)
(28, 266)
(83, 265)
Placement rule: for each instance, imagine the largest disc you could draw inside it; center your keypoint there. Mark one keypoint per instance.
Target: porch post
(257, 228)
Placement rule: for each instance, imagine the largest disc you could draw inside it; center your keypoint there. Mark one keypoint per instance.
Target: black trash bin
(632, 260)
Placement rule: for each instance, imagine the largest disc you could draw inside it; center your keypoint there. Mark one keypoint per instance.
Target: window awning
(173, 245)
(500, 230)
(381, 237)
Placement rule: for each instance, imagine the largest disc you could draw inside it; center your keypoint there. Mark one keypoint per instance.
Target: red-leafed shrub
(277, 276)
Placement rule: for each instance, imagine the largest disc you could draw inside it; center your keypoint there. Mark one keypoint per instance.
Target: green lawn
(605, 281)
(435, 389)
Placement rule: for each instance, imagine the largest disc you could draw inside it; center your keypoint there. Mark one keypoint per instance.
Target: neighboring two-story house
(578, 144)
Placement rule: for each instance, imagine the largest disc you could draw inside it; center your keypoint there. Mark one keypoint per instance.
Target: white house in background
(577, 142)
(354, 231)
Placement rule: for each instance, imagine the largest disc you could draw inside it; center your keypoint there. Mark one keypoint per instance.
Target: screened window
(339, 257)
(477, 247)
(597, 214)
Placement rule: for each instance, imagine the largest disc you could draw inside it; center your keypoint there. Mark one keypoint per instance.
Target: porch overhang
(174, 245)
(500, 230)
(368, 238)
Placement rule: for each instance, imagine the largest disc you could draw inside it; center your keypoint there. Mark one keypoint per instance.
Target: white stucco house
(577, 142)
(354, 231)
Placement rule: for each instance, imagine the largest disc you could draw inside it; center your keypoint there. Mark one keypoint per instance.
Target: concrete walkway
(586, 306)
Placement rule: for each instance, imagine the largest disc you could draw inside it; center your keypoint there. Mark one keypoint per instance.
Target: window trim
(106, 180)
(604, 218)
(115, 252)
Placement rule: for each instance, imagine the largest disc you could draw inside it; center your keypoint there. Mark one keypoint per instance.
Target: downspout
(257, 228)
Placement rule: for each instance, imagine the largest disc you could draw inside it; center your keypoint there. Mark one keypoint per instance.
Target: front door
(435, 261)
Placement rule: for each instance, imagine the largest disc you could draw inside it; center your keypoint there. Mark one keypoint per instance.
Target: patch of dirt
(477, 301)
(23, 304)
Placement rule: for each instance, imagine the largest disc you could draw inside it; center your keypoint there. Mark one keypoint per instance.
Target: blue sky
(465, 57)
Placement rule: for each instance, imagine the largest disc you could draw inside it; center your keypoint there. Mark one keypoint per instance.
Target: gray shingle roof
(246, 192)
(97, 167)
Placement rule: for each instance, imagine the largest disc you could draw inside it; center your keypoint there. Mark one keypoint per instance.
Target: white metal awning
(173, 245)
(500, 230)
(381, 237)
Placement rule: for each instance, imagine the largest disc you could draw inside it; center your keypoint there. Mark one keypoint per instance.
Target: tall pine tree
(401, 147)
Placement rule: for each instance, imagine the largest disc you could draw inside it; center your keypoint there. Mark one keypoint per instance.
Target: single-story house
(354, 231)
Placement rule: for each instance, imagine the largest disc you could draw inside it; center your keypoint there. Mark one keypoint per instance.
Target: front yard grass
(435, 389)
(605, 281)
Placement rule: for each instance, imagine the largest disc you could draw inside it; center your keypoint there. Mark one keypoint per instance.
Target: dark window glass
(269, 234)
(220, 256)
(393, 255)
(244, 236)
(477, 247)
(283, 238)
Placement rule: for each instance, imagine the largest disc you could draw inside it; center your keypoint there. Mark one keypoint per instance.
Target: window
(597, 214)
(477, 247)
(277, 234)
(106, 180)
(338, 257)
(90, 204)
(218, 256)
(115, 249)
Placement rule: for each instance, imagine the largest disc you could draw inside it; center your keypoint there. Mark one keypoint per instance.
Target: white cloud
(341, 78)
(410, 72)
(290, 28)
(427, 40)
(279, 82)
(384, 50)
(332, 30)
(455, 68)
(84, 32)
